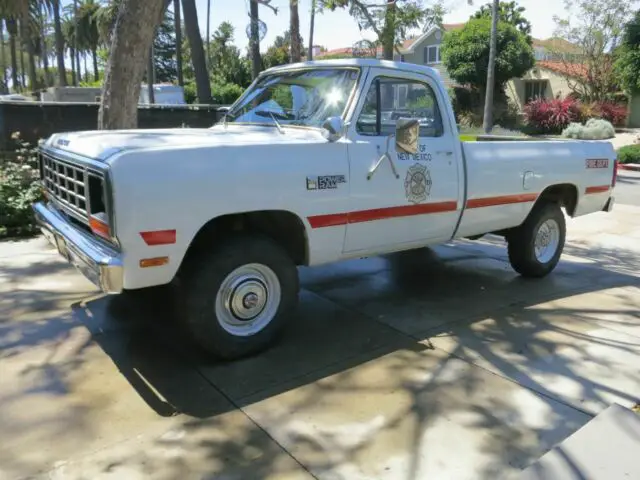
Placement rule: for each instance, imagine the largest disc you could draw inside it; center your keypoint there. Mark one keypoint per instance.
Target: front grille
(75, 188)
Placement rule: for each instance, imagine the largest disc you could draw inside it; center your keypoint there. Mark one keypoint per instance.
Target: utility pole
(487, 123)
(311, 27)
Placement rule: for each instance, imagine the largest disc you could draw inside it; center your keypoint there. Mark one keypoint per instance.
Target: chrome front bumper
(101, 264)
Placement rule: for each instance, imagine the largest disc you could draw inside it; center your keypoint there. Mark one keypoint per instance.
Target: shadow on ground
(384, 315)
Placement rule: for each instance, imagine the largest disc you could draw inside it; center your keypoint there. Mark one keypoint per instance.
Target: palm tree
(254, 40)
(12, 28)
(57, 27)
(88, 32)
(294, 29)
(203, 88)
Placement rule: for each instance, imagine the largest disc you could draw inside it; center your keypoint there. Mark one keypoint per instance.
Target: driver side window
(389, 99)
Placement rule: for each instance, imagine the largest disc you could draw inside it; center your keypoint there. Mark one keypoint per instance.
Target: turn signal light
(154, 262)
(99, 226)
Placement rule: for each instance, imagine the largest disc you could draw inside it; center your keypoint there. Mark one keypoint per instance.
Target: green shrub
(594, 129)
(226, 93)
(629, 154)
(19, 189)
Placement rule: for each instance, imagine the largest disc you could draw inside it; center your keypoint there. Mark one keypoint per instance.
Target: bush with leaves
(19, 189)
(465, 53)
(551, 115)
(594, 129)
(629, 154)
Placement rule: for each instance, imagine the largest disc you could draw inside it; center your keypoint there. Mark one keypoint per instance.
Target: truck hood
(102, 144)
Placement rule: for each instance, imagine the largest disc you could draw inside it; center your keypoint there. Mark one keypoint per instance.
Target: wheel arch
(565, 194)
(282, 226)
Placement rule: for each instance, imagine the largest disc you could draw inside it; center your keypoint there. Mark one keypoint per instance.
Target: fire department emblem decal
(417, 184)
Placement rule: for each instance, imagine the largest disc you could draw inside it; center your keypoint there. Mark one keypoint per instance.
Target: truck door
(409, 198)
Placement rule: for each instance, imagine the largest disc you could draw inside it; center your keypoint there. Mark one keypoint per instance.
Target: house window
(432, 54)
(535, 89)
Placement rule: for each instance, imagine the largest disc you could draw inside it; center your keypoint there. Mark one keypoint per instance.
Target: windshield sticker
(421, 156)
(417, 184)
(597, 163)
(325, 182)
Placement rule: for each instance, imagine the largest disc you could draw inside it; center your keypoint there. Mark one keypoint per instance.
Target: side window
(389, 99)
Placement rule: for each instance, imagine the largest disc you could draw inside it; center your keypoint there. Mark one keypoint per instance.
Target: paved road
(627, 189)
(431, 364)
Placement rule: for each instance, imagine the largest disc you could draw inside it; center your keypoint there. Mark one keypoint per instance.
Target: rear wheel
(536, 246)
(240, 296)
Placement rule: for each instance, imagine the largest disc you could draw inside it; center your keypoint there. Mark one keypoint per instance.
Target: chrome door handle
(445, 152)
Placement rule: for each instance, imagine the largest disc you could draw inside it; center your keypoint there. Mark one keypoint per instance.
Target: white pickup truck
(316, 162)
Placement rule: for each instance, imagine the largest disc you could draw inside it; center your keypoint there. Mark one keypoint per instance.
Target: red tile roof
(577, 70)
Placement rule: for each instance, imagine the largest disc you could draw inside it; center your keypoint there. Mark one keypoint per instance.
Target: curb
(629, 166)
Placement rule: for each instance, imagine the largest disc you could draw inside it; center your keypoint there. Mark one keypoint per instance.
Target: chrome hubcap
(248, 299)
(547, 241)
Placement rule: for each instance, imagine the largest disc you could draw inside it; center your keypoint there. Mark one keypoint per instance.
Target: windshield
(303, 97)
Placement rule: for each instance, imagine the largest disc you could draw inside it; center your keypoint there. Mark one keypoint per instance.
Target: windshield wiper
(262, 113)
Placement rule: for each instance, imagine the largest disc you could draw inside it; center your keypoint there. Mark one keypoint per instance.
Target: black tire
(521, 242)
(203, 279)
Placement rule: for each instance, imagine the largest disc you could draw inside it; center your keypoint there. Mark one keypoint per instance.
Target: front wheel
(240, 296)
(536, 246)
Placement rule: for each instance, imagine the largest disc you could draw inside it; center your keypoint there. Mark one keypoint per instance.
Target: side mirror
(407, 133)
(333, 128)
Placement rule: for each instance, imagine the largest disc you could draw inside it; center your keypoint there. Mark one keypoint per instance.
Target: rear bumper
(609, 205)
(101, 264)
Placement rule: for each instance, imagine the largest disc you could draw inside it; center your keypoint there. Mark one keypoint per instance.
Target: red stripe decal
(159, 237)
(332, 220)
(597, 189)
(503, 200)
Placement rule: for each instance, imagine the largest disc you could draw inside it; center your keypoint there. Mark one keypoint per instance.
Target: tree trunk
(208, 30)
(150, 76)
(23, 82)
(178, 27)
(62, 76)
(294, 30)
(487, 122)
(72, 55)
(132, 36)
(389, 30)
(254, 40)
(11, 28)
(75, 43)
(4, 88)
(203, 88)
(86, 69)
(96, 72)
(79, 70)
(311, 28)
(43, 45)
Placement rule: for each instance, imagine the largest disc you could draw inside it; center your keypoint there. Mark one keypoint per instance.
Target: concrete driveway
(437, 363)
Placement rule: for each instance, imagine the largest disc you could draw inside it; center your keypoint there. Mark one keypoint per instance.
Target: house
(554, 57)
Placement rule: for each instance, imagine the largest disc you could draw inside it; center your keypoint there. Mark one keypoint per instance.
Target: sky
(337, 29)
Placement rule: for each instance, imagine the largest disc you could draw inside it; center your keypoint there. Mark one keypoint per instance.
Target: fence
(36, 120)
